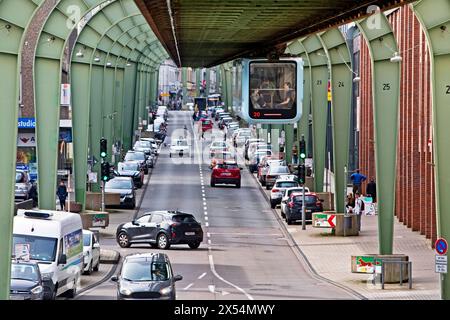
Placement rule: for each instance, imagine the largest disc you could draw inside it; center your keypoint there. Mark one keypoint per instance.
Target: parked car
(256, 158)
(180, 147)
(274, 173)
(217, 146)
(226, 173)
(207, 125)
(26, 281)
(161, 229)
(220, 156)
(241, 136)
(23, 185)
(133, 170)
(283, 183)
(254, 147)
(247, 144)
(91, 252)
(221, 114)
(295, 203)
(143, 146)
(145, 162)
(286, 195)
(124, 186)
(147, 276)
(264, 166)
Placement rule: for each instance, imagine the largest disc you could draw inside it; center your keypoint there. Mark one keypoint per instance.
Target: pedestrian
(371, 190)
(359, 208)
(357, 179)
(33, 194)
(350, 203)
(295, 154)
(62, 195)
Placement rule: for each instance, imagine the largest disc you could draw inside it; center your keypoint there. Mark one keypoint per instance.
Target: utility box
(94, 200)
(94, 219)
(346, 225)
(328, 203)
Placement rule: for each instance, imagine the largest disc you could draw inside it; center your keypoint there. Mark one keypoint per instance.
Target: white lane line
(188, 287)
(206, 213)
(202, 276)
(206, 218)
(213, 270)
(209, 235)
(207, 224)
(209, 241)
(205, 208)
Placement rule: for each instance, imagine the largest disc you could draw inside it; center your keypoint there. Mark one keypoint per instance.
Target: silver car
(274, 173)
(23, 185)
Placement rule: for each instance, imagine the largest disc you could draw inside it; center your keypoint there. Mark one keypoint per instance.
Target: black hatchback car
(295, 204)
(146, 276)
(26, 282)
(161, 229)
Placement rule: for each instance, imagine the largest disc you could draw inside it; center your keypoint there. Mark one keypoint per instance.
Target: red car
(206, 125)
(226, 172)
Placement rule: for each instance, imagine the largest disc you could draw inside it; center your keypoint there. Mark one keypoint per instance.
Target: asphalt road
(245, 254)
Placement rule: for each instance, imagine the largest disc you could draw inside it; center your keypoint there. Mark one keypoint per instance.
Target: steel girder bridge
(114, 63)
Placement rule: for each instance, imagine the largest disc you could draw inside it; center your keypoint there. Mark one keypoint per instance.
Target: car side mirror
(134, 223)
(114, 278)
(178, 278)
(62, 259)
(96, 245)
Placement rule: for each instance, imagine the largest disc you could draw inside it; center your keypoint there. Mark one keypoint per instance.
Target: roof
(205, 33)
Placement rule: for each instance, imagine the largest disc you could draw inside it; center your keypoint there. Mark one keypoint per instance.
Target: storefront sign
(27, 123)
(26, 140)
(65, 135)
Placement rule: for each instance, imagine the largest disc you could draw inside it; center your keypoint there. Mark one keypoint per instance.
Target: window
(42, 249)
(287, 184)
(145, 271)
(156, 218)
(186, 218)
(119, 184)
(24, 271)
(279, 170)
(143, 219)
(86, 240)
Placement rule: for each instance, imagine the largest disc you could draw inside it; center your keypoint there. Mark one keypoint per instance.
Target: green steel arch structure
(57, 26)
(386, 91)
(434, 17)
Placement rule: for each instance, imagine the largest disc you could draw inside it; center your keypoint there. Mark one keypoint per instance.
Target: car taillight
(318, 203)
(291, 204)
(275, 190)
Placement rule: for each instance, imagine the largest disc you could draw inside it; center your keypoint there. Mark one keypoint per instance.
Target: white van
(55, 241)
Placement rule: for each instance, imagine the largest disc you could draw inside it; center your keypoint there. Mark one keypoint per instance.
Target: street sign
(324, 220)
(441, 264)
(441, 246)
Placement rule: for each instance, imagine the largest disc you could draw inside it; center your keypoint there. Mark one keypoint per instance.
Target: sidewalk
(330, 256)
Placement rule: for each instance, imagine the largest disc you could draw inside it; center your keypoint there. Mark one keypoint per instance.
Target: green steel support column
(434, 17)
(341, 89)
(9, 94)
(198, 81)
(229, 80)
(129, 103)
(386, 89)
(96, 118)
(289, 141)
(319, 105)
(118, 98)
(224, 85)
(297, 48)
(208, 81)
(138, 99)
(275, 134)
(184, 82)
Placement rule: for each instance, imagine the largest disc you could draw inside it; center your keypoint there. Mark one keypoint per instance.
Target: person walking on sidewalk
(294, 154)
(62, 195)
(359, 208)
(357, 179)
(371, 190)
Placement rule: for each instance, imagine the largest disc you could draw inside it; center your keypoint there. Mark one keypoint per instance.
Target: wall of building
(415, 197)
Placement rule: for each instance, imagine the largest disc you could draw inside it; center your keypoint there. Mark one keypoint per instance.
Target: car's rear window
(186, 218)
(227, 166)
(280, 169)
(309, 199)
(287, 184)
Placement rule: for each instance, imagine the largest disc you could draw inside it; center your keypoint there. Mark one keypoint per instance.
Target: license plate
(227, 174)
(16, 297)
(190, 233)
(308, 211)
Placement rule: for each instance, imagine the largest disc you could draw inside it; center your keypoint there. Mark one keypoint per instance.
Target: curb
(113, 257)
(298, 251)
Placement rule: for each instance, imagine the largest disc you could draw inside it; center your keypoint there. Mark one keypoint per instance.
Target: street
(245, 254)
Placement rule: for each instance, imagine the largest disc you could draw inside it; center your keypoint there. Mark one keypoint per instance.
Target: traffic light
(106, 172)
(302, 174)
(303, 149)
(103, 148)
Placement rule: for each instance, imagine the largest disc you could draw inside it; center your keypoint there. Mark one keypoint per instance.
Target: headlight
(166, 291)
(125, 292)
(47, 276)
(37, 290)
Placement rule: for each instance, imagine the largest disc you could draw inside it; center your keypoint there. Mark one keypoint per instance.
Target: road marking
(188, 287)
(204, 203)
(212, 288)
(209, 242)
(209, 235)
(207, 225)
(206, 218)
(249, 234)
(205, 208)
(206, 213)
(213, 269)
(202, 276)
